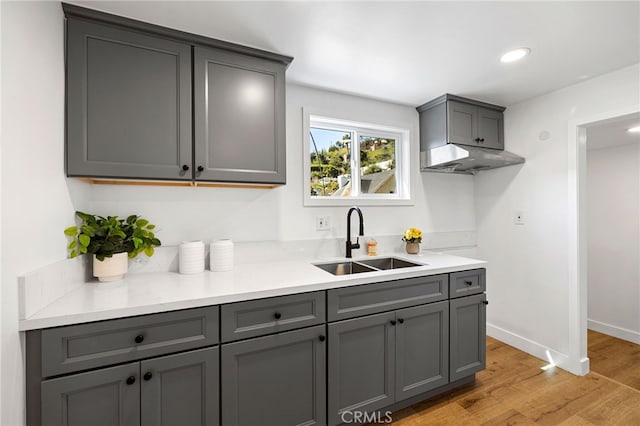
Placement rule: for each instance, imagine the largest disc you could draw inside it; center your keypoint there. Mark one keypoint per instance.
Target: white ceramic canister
(191, 257)
(221, 255)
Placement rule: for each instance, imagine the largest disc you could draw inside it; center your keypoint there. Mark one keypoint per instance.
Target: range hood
(452, 158)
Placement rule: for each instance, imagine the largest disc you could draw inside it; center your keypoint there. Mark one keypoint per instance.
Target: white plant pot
(111, 268)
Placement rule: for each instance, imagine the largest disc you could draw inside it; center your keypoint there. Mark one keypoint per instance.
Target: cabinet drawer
(264, 316)
(84, 346)
(465, 283)
(350, 302)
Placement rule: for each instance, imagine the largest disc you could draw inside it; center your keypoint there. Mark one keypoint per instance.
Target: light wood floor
(515, 390)
(614, 358)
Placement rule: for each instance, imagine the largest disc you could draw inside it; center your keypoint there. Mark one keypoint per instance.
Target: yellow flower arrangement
(412, 235)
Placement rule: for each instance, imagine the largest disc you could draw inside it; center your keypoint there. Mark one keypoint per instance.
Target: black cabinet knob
(401, 320)
(200, 168)
(185, 167)
(468, 282)
(393, 322)
(147, 375)
(277, 315)
(481, 140)
(139, 338)
(486, 302)
(476, 140)
(131, 380)
(322, 338)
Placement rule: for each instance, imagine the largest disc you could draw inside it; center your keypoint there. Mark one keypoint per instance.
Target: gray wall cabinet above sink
(150, 103)
(452, 119)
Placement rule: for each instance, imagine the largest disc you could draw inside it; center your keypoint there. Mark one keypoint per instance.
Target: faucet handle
(357, 244)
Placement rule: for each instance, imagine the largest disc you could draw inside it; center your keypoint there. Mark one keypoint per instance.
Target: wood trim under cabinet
(177, 183)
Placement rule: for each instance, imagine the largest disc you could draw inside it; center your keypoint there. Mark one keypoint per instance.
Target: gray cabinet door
(239, 118)
(106, 397)
(462, 123)
(128, 104)
(181, 389)
(277, 380)
(422, 349)
(361, 365)
(490, 128)
(468, 332)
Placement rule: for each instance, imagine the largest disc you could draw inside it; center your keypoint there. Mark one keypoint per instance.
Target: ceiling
(411, 52)
(610, 133)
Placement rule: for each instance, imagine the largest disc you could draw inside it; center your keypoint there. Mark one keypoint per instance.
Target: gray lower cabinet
(176, 389)
(377, 360)
(128, 104)
(238, 117)
(468, 336)
(276, 380)
(105, 397)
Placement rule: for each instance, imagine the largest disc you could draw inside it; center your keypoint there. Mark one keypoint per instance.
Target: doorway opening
(595, 139)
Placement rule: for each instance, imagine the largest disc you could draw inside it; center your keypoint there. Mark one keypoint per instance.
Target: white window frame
(403, 161)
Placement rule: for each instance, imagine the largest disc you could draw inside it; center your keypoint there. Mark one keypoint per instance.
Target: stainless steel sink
(389, 263)
(368, 265)
(345, 268)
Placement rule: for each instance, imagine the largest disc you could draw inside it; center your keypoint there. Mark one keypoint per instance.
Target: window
(347, 162)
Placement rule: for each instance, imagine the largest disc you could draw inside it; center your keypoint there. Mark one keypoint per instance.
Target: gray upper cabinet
(152, 103)
(456, 120)
(239, 118)
(128, 104)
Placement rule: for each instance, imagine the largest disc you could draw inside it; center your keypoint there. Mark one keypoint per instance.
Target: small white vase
(111, 268)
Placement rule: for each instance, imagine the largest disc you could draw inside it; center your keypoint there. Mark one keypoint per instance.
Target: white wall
(1, 134)
(38, 201)
(613, 220)
(528, 276)
(442, 202)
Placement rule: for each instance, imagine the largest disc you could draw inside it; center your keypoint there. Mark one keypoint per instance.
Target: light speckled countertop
(153, 292)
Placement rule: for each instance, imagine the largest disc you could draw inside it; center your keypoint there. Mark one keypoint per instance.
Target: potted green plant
(413, 238)
(111, 241)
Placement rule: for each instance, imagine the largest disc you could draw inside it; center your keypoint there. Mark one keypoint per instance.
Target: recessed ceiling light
(515, 54)
(634, 129)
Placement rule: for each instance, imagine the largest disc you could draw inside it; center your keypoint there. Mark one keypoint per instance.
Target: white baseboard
(578, 367)
(615, 331)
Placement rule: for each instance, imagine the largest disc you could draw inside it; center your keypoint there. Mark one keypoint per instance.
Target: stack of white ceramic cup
(221, 255)
(191, 257)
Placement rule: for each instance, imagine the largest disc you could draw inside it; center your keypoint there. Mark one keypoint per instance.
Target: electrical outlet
(323, 223)
(518, 218)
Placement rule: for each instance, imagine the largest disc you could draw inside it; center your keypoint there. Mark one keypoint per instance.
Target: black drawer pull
(393, 322)
(468, 282)
(131, 380)
(200, 168)
(147, 376)
(322, 338)
(139, 338)
(401, 320)
(486, 302)
(185, 167)
(277, 315)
